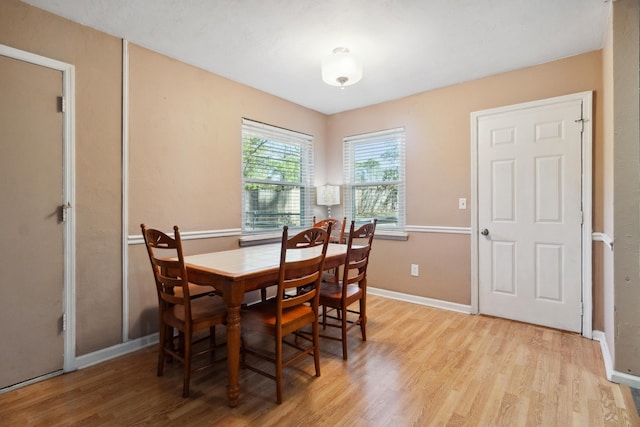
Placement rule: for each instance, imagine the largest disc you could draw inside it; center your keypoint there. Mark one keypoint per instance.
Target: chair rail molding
(137, 239)
(602, 237)
(438, 229)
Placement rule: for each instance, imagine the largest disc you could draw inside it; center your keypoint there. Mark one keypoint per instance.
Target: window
(374, 178)
(277, 178)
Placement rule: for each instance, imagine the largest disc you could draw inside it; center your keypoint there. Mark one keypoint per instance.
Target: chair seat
(329, 276)
(264, 313)
(204, 311)
(333, 291)
(195, 291)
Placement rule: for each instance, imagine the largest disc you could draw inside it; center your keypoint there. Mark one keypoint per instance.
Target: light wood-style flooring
(420, 366)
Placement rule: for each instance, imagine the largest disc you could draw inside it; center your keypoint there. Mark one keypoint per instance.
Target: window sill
(259, 239)
(391, 235)
(263, 239)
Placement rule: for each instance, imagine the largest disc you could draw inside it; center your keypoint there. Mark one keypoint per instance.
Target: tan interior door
(31, 238)
(530, 214)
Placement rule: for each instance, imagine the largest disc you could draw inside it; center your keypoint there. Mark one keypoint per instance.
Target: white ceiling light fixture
(341, 68)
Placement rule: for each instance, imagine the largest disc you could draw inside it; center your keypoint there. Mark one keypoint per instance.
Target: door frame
(587, 146)
(68, 197)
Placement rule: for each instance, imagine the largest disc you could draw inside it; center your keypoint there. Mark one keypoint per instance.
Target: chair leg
(363, 318)
(161, 344)
(324, 317)
(187, 363)
(316, 345)
(212, 342)
(344, 334)
(180, 342)
(279, 367)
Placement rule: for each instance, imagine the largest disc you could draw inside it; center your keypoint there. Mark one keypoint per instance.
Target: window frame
(287, 137)
(395, 135)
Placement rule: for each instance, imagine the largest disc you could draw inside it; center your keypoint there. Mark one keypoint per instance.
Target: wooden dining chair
(338, 297)
(337, 236)
(301, 264)
(177, 309)
(337, 227)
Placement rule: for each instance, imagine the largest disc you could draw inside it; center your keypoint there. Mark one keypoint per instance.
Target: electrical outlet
(415, 270)
(462, 203)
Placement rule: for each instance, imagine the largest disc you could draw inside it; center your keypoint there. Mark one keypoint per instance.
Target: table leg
(233, 297)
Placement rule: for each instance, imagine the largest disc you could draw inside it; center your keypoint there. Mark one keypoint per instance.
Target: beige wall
(97, 60)
(185, 158)
(185, 133)
(437, 125)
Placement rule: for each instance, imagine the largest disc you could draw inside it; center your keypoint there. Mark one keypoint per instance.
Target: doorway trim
(68, 196)
(587, 226)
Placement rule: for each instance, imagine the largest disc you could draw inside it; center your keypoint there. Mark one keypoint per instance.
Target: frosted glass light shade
(328, 195)
(341, 68)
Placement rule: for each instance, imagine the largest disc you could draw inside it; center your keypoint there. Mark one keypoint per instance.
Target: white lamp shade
(341, 68)
(328, 195)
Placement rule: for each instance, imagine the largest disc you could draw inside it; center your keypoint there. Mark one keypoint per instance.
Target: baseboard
(606, 355)
(446, 305)
(118, 350)
(612, 374)
(140, 343)
(622, 378)
(31, 381)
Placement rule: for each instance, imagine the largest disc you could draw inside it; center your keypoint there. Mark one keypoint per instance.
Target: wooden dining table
(235, 272)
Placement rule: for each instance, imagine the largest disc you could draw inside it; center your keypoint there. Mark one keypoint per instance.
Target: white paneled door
(31, 247)
(529, 176)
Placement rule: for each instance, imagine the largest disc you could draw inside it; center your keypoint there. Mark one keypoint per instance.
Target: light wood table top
(237, 264)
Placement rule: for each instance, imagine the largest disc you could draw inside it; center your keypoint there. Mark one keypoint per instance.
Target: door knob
(484, 232)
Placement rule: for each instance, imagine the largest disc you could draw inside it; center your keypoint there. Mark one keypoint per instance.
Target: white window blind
(277, 178)
(374, 177)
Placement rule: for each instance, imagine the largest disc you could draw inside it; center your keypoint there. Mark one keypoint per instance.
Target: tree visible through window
(374, 178)
(277, 176)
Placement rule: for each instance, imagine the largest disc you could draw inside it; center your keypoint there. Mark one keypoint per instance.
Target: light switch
(462, 203)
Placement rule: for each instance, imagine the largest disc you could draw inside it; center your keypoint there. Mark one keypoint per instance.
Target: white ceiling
(406, 46)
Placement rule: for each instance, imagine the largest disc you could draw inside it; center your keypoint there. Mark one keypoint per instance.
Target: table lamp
(328, 195)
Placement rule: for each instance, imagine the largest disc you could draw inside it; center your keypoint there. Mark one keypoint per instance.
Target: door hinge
(581, 309)
(581, 217)
(64, 322)
(582, 121)
(62, 105)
